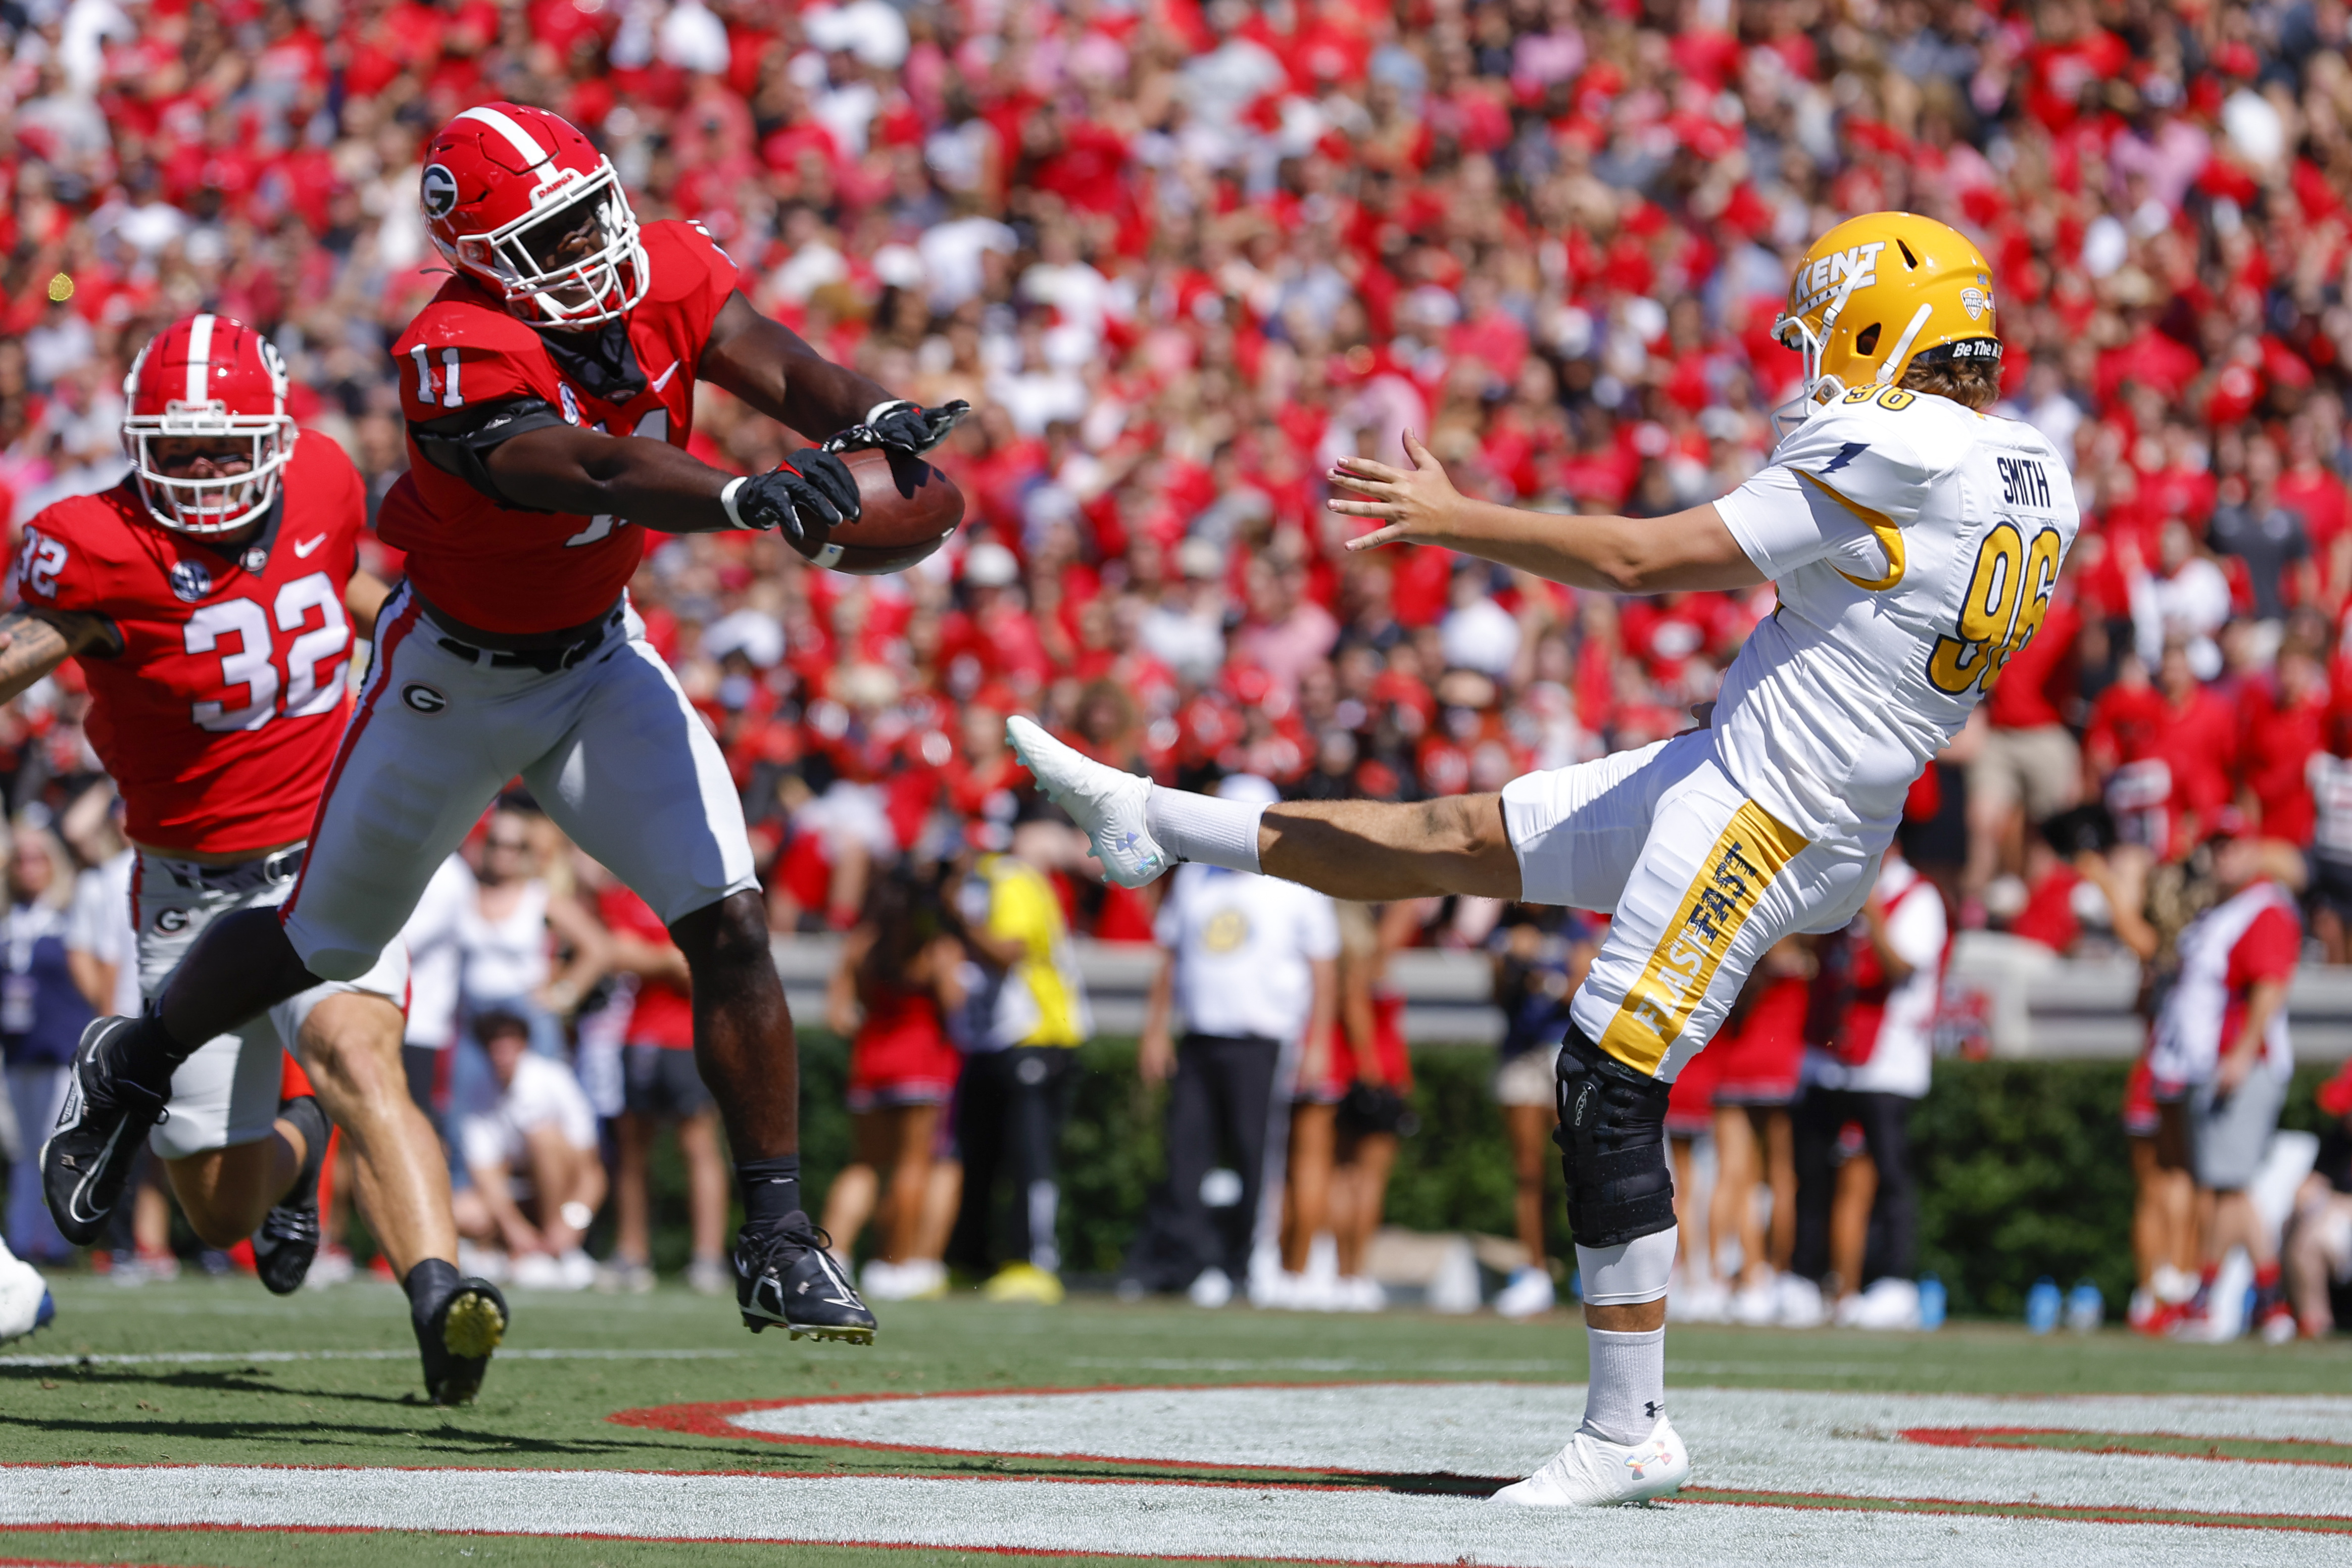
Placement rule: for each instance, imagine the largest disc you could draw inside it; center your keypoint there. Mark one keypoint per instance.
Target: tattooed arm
(33, 643)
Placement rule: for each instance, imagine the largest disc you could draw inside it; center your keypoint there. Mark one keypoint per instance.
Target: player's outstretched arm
(1689, 550)
(33, 643)
(562, 467)
(774, 369)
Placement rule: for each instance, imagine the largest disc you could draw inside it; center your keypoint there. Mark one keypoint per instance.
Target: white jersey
(1915, 544)
(1245, 948)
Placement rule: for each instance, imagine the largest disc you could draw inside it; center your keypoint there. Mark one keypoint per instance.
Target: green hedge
(2022, 1166)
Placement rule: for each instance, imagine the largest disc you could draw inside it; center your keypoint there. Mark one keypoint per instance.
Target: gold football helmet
(1878, 291)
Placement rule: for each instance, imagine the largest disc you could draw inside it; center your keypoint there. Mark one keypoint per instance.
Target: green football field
(204, 1422)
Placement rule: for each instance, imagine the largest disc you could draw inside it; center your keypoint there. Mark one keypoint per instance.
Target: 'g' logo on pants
(423, 698)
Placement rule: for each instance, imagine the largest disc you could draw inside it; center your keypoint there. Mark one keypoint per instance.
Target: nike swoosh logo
(302, 550)
(663, 379)
(74, 1202)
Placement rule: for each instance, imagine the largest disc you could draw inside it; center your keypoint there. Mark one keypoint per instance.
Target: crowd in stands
(1178, 256)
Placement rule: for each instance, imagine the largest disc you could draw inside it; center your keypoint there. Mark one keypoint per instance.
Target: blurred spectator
(659, 1084)
(1373, 1113)
(2317, 1250)
(1028, 1016)
(2221, 1062)
(898, 982)
(505, 928)
(1868, 1059)
(42, 1014)
(1249, 964)
(528, 1139)
(1760, 1051)
(1539, 958)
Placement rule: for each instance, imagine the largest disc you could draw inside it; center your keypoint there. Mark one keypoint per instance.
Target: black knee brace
(1612, 1142)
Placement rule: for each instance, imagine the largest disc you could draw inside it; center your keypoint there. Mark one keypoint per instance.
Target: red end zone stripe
(388, 643)
(2321, 1451)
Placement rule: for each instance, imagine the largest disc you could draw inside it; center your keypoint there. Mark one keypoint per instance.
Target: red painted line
(1979, 1437)
(2053, 1513)
(711, 1420)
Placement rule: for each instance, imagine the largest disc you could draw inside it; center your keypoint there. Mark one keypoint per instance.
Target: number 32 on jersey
(2009, 595)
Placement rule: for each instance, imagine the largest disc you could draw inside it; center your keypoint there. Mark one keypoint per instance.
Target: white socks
(1628, 1390)
(1201, 827)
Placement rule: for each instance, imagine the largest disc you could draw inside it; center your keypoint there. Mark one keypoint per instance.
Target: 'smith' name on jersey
(2023, 482)
(1916, 546)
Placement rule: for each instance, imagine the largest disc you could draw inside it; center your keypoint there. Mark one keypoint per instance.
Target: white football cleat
(24, 1301)
(1593, 1472)
(1107, 803)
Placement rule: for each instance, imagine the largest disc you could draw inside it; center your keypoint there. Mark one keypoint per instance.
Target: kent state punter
(1915, 541)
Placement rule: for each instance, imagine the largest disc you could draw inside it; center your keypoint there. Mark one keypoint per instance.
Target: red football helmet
(504, 186)
(208, 377)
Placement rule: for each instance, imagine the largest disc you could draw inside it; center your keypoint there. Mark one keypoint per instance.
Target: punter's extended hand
(1417, 503)
(811, 490)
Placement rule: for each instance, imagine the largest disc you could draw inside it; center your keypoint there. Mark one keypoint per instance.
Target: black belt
(244, 876)
(546, 660)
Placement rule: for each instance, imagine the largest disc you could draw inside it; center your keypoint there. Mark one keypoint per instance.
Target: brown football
(909, 508)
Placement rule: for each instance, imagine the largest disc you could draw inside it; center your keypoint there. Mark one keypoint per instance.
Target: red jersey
(662, 1014)
(220, 717)
(507, 569)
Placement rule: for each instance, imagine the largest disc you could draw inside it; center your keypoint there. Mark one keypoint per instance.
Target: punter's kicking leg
(1700, 881)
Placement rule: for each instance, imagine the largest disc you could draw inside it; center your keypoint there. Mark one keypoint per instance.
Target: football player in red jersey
(548, 393)
(212, 597)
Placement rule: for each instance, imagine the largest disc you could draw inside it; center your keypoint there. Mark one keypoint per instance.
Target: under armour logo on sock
(1654, 1409)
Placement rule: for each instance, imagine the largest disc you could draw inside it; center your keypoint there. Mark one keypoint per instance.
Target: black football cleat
(89, 1156)
(788, 1276)
(289, 1238)
(456, 1339)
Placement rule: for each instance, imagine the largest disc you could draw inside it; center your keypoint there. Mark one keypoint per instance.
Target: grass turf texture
(572, 1362)
(537, 1410)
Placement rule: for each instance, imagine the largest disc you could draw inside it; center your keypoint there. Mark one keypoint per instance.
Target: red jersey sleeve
(53, 567)
(2269, 949)
(461, 354)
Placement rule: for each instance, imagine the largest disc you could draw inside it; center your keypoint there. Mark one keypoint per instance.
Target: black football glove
(901, 426)
(810, 490)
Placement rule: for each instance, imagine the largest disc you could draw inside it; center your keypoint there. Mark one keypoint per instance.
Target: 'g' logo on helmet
(439, 194)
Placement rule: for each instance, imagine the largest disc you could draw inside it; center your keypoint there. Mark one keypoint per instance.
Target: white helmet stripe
(517, 137)
(200, 359)
(1902, 349)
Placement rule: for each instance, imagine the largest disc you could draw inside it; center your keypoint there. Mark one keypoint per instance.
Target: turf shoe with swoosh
(1593, 1472)
(1105, 801)
(456, 1338)
(289, 1238)
(89, 1156)
(789, 1276)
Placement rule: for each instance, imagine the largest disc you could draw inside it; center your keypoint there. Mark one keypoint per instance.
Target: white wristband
(885, 406)
(727, 499)
(577, 1215)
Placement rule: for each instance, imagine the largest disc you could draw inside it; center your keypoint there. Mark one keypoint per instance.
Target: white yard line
(254, 1358)
(1055, 1516)
(1740, 1439)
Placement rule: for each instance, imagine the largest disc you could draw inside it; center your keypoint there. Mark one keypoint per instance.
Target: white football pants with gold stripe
(1700, 881)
